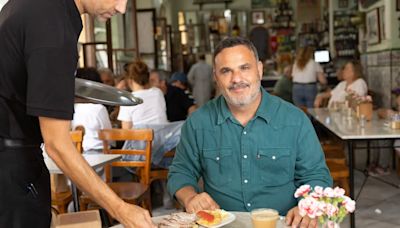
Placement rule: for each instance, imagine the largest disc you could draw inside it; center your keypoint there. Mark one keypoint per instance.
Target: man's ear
(260, 68)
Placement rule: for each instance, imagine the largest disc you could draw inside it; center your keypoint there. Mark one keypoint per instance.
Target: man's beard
(247, 99)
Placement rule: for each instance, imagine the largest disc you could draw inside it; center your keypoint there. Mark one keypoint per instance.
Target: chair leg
(83, 206)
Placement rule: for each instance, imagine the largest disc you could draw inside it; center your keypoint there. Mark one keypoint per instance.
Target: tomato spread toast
(211, 218)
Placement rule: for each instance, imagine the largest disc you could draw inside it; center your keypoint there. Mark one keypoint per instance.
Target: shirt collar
(266, 109)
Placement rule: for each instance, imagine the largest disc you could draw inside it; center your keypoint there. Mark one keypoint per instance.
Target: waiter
(38, 49)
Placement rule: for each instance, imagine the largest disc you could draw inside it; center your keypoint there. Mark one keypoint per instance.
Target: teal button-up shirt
(256, 166)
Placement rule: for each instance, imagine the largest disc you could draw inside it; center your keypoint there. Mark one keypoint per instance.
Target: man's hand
(294, 219)
(199, 202)
(132, 216)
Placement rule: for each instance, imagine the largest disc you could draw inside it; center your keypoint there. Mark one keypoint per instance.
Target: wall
(382, 61)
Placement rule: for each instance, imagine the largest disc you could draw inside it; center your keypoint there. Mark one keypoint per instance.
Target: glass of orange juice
(264, 218)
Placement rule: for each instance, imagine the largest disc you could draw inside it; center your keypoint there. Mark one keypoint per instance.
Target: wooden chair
(336, 162)
(60, 200)
(161, 173)
(131, 192)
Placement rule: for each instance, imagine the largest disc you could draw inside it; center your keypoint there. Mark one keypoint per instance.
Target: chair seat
(337, 170)
(61, 197)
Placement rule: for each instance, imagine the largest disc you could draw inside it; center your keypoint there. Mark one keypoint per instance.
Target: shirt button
(217, 158)
(244, 132)
(244, 156)
(249, 204)
(245, 181)
(273, 157)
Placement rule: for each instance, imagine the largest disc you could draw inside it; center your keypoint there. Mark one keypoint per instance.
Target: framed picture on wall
(397, 5)
(373, 30)
(257, 17)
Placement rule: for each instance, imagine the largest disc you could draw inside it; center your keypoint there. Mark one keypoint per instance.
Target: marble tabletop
(94, 160)
(348, 126)
(243, 220)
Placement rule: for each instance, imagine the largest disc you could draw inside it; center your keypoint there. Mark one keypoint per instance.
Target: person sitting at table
(283, 87)
(153, 108)
(352, 81)
(179, 104)
(252, 149)
(93, 117)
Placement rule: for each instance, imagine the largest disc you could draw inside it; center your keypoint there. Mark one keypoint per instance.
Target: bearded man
(252, 149)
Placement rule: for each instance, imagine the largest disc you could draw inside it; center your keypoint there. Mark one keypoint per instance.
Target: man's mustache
(238, 85)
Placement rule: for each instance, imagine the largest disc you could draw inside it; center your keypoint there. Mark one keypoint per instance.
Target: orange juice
(264, 218)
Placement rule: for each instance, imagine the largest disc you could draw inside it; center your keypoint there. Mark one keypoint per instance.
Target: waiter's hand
(132, 216)
(199, 202)
(294, 219)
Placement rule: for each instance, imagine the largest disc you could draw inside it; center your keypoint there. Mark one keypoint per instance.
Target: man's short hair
(163, 75)
(233, 42)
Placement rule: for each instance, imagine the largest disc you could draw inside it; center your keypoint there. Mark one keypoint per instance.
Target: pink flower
(318, 192)
(331, 210)
(349, 204)
(328, 192)
(338, 192)
(308, 206)
(302, 190)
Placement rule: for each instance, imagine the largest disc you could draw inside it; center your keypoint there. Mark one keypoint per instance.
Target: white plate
(229, 218)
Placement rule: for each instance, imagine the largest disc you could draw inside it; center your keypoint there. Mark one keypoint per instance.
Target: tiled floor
(378, 204)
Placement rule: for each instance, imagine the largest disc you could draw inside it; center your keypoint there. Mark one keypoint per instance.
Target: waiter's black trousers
(25, 198)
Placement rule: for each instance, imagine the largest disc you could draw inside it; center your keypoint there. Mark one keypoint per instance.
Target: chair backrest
(145, 135)
(77, 137)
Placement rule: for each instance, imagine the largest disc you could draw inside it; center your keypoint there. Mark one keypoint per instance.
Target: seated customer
(179, 104)
(153, 108)
(252, 149)
(283, 87)
(93, 117)
(352, 82)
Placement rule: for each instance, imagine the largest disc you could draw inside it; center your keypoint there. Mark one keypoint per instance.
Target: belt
(305, 83)
(17, 143)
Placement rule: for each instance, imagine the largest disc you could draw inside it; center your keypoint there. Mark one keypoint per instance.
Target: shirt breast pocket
(218, 166)
(275, 166)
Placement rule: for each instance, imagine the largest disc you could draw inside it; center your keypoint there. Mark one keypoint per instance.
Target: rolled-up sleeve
(310, 162)
(185, 168)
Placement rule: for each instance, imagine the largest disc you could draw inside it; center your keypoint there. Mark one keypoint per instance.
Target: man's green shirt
(259, 165)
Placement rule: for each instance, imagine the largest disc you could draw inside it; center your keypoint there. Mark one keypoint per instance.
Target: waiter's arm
(60, 148)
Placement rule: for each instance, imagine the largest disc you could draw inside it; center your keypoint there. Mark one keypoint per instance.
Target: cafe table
(243, 220)
(94, 160)
(347, 127)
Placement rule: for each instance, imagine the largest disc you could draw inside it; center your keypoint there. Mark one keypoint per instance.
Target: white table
(94, 160)
(348, 129)
(243, 220)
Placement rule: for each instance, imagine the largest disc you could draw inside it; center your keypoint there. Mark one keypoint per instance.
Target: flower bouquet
(329, 205)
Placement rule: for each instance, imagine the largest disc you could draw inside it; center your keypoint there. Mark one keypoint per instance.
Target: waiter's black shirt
(178, 103)
(38, 59)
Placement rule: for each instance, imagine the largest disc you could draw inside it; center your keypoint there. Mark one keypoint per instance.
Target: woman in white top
(93, 117)
(306, 73)
(352, 82)
(153, 108)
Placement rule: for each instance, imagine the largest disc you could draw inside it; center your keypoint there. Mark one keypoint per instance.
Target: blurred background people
(352, 82)
(179, 103)
(306, 73)
(153, 108)
(283, 87)
(93, 117)
(201, 80)
(107, 76)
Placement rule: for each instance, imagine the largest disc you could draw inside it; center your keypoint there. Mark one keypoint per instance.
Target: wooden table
(243, 220)
(94, 160)
(348, 128)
